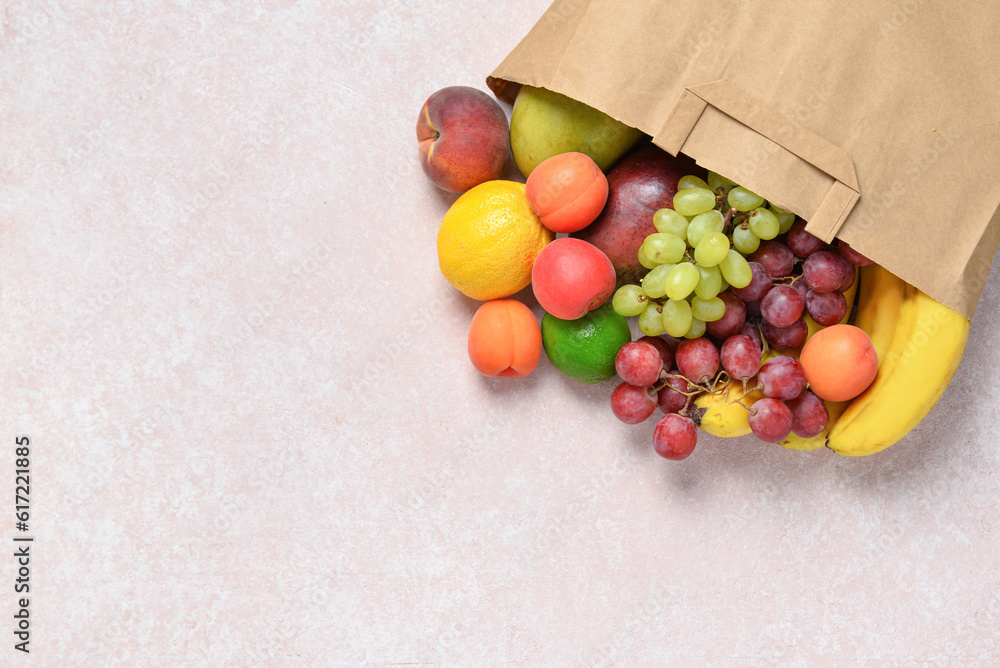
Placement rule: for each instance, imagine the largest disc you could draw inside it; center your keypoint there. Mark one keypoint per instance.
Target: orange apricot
(567, 191)
(840, 362)
(505, 339)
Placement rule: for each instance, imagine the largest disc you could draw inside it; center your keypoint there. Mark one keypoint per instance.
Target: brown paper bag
(878, 123)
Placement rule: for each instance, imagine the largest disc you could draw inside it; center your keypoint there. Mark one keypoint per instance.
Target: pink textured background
(257, 439)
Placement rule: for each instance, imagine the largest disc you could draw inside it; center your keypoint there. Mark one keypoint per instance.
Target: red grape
(781, 306)
(801, 242)
(826, 308)
(782, 377)
(698, 359)
(824, 271)
(851, 255)
(751, 330)
(669, 398)
(786, 338)
(760, 283)
(809, 414)
(770, 420)
(740, 356)
(663, 346)
(732, 320)
(776, 256)
(639, 363)
(632, 404)
(675, 437)
(849, 277)
(753, 309)
(801, 287)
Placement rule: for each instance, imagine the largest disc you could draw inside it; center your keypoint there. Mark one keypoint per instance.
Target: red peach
(463, 136)
(571, 277)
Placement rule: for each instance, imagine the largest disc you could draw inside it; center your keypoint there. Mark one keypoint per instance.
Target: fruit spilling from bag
(749, 324)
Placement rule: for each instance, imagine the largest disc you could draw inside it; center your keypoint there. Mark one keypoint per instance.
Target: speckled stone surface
(257, 439)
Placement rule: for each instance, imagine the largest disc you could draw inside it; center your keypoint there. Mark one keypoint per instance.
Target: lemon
(488, 241)
(585, 349)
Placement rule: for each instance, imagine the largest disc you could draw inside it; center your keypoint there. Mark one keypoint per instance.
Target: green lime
(585, 349)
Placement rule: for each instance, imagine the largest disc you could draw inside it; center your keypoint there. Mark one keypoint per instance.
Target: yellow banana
(880, 299)
(913, 373)
(720, 413)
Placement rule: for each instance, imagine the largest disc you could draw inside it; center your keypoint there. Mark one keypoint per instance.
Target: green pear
(544, 124)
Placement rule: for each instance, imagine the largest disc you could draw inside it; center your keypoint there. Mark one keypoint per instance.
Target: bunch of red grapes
(793, 275)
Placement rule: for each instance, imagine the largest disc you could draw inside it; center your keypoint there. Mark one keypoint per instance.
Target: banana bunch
(919, 344)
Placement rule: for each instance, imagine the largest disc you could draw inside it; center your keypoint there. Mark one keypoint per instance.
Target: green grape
(645, 261)
(696, 330)
(715, 181)
(785, 222)
(785, 218)
(670, 222)
(709, 283)
(663, 248)
(708, 310)
(692, 201)
(654, 282)
(676, 320)
(744, 240)
(712, 249)
(651, 320)
(725, 283)
(682, 280)
(743, 199)
(702, 224)
(735, 270)
(629, 300)
(764, 223)
(691, 181)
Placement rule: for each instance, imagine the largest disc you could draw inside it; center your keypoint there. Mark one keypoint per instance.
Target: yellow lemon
(489, 239)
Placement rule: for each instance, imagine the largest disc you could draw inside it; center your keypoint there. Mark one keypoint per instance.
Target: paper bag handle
(729, 131)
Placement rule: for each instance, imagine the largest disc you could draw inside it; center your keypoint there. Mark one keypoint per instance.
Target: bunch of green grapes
(697, 251)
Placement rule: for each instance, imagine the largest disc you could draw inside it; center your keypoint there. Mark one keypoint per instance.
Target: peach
(567, 191)
(571, 277)
(463, 137)
(505, 339)
(840, 362)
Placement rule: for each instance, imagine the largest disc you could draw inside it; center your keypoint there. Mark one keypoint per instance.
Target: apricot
(567, 191)
(840, 362)
(504, 339)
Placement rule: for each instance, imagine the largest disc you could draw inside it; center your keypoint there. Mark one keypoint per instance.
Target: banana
(720, 413)
(914, 369)
(879, 301)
